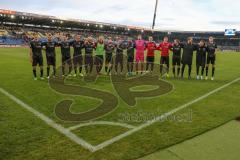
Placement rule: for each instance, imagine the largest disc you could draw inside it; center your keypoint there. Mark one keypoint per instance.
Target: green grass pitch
(25, 136)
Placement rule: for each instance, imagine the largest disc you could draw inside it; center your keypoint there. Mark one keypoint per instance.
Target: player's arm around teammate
(151, 47)
(36, 56)
(176, 58)
(78, 45)
(99, 54)
(109, 49)
(187, 56)
(211, 57)
(50, 54)
(130, 56)
(164, 47)
(201, 58)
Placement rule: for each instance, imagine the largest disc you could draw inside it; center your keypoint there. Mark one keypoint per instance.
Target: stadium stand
(16, 28)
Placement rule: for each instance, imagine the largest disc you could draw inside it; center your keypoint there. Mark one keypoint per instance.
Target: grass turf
(27, 137)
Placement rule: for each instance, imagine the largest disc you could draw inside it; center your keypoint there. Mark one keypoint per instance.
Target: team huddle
(102, 51)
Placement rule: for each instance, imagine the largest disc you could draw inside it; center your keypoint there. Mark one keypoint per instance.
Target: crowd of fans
(12, 35)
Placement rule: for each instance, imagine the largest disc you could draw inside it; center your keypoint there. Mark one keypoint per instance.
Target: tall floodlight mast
(155, 14)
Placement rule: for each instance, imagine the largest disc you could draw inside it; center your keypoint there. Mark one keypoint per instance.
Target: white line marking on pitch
(88, 146)
(102, 123)
(50, 122)
(119, 137)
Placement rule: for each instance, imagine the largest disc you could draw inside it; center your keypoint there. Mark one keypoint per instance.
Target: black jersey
(50, 49)
(120, 45)
(109, 48)
(77, 46)
(65, 49)
(36, 47)
(177, 50)
(211, 49)
(130, 49)
(89, 48)
(188, 50)
(201, 51)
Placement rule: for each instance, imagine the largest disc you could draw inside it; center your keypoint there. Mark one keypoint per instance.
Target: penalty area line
(50, 122)
(148, 123)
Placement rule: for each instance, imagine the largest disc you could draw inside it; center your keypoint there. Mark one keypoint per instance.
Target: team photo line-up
(182, 55)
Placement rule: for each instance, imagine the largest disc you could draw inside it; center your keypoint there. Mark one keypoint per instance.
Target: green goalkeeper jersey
(100, 49)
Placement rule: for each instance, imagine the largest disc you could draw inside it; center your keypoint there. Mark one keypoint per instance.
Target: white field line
(88, 146)
(148, 123)
(101, 123)
(50, 122)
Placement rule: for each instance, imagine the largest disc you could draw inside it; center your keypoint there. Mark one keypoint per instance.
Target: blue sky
(188, 15)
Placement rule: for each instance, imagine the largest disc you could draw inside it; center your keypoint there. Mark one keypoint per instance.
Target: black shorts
(150, 59)
(108, 58)
(77, 60)
(201, 61)
(51, 60)
(119, 58)
(211, 60)
(88, 59)
(66, 60)
(98, 60)
(164, 60)
(130, 59)
(176, 60)
(37, 60)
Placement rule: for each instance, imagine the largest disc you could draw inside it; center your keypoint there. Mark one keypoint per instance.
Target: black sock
(174, 71)
(80, 69)
(70, 70)
(206, 71)
(75, 70)
(178, 71)
(54, 71)
(48, 70)
(189, 70)
(198, 67)
(161, 69)
(116, 68)
(110, 69)
(34, 73)
(41, 71)
(63, 70)
(202, 71)
(213, 71)
(152, 66)
(183, 68)
(106, 69)
(147, 66)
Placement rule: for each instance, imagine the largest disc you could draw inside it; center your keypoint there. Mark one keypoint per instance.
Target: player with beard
(165, 48)
(151, 47)
(109, 49)
(78, 45)
(120, 47)
(130, 56)
(187, 56)
(100, 50)
(201, 58)
(211, 57)
(140, 48)
(36, 56)
(50, 54)
(66, 55)
(89, 47)
(176, 58)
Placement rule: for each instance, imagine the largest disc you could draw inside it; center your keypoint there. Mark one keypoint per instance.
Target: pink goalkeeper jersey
(140, 47)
